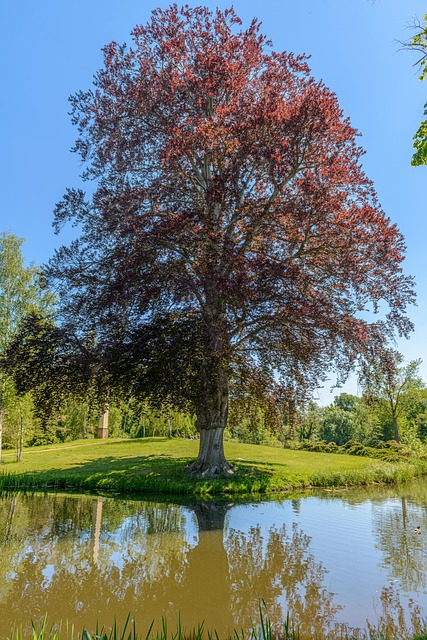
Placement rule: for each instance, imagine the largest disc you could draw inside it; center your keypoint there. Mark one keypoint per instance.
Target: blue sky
(51, 48)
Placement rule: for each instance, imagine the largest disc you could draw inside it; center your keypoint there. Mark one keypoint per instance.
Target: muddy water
(329, 560)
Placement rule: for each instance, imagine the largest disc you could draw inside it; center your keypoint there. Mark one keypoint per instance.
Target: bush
(389, 451)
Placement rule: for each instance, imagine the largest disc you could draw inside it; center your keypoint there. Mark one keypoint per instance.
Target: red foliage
(229, 185)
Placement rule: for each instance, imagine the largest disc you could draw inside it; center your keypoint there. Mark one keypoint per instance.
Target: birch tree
(21, 291)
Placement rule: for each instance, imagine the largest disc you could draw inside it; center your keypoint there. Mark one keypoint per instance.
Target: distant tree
(346, 401)
(309, 422)
(21, 291)
(416, 412)
(385, 379)
(18, 421)
(361, 424)
(338, 425)
(418, 44)
(230, 222)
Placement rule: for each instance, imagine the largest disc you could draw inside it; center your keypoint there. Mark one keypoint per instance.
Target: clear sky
(51, 48)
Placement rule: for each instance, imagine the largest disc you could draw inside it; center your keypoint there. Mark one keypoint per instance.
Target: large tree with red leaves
(231, 226)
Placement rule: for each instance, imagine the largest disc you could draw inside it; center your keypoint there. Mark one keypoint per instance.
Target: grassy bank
(156, 465)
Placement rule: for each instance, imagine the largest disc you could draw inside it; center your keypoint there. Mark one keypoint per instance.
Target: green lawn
(156, 465)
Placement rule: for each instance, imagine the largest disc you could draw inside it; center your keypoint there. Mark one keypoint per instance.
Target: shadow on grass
(126, 441)
(146, 474)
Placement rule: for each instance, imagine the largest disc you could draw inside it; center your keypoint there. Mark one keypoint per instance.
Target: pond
(350, 558)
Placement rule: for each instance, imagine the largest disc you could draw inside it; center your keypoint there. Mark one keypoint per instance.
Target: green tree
(346, 402)
(21, 291)
(358, 421)
(389, 383)
(417, 413)
(418, 43)
(19, 423)
(310, 421)
(338, 425)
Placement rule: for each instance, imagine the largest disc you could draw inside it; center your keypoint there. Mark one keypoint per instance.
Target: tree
(349, 418)
(21, 291)
(310, 420)
(338, 425)
(418, 43)
(385, 379)
(231, 228)
(54, 365)
(417, 413)
(18, 420)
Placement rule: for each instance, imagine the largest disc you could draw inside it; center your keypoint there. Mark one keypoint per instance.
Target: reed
(262, 631)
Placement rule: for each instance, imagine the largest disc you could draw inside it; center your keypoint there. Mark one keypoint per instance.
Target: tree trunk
(211, 420)
(395, 428)
(1, 429)
(21, 437)
(213, 390)
(85, 412)
(211, 460)
(2, 392)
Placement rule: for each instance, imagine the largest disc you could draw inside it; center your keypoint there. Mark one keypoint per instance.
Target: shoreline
(155, 466)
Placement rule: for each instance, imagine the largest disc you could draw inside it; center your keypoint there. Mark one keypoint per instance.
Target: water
(329, 560)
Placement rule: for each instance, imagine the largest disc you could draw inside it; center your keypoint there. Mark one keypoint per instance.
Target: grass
(263, 631)
(156, 466)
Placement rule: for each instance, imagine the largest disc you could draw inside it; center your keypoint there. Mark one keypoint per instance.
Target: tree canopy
(418, 43)
(21, 292)
(231, 230)
(384, 378)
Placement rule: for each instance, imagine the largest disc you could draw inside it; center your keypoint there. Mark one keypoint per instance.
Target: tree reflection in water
(284, 573)
(86, 559)
(395, 620)
(404, 552)
(140, 559)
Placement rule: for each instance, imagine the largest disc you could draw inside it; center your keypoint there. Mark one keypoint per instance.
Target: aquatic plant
(261, 631)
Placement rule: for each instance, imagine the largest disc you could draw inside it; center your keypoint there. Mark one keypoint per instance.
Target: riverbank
(156, 466)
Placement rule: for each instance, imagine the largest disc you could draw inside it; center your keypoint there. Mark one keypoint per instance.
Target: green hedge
(390, 451)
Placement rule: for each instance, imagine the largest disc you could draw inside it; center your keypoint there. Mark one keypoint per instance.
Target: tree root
(202, 469)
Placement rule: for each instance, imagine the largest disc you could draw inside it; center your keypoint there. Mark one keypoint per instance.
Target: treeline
(348, 418)
(366, 419)
(369, 419)
(135, 419)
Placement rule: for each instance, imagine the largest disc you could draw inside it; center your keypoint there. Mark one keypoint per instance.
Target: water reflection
(284, 569)
(96, 528)
(87, 559)
(404, 552)
(396, 620)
